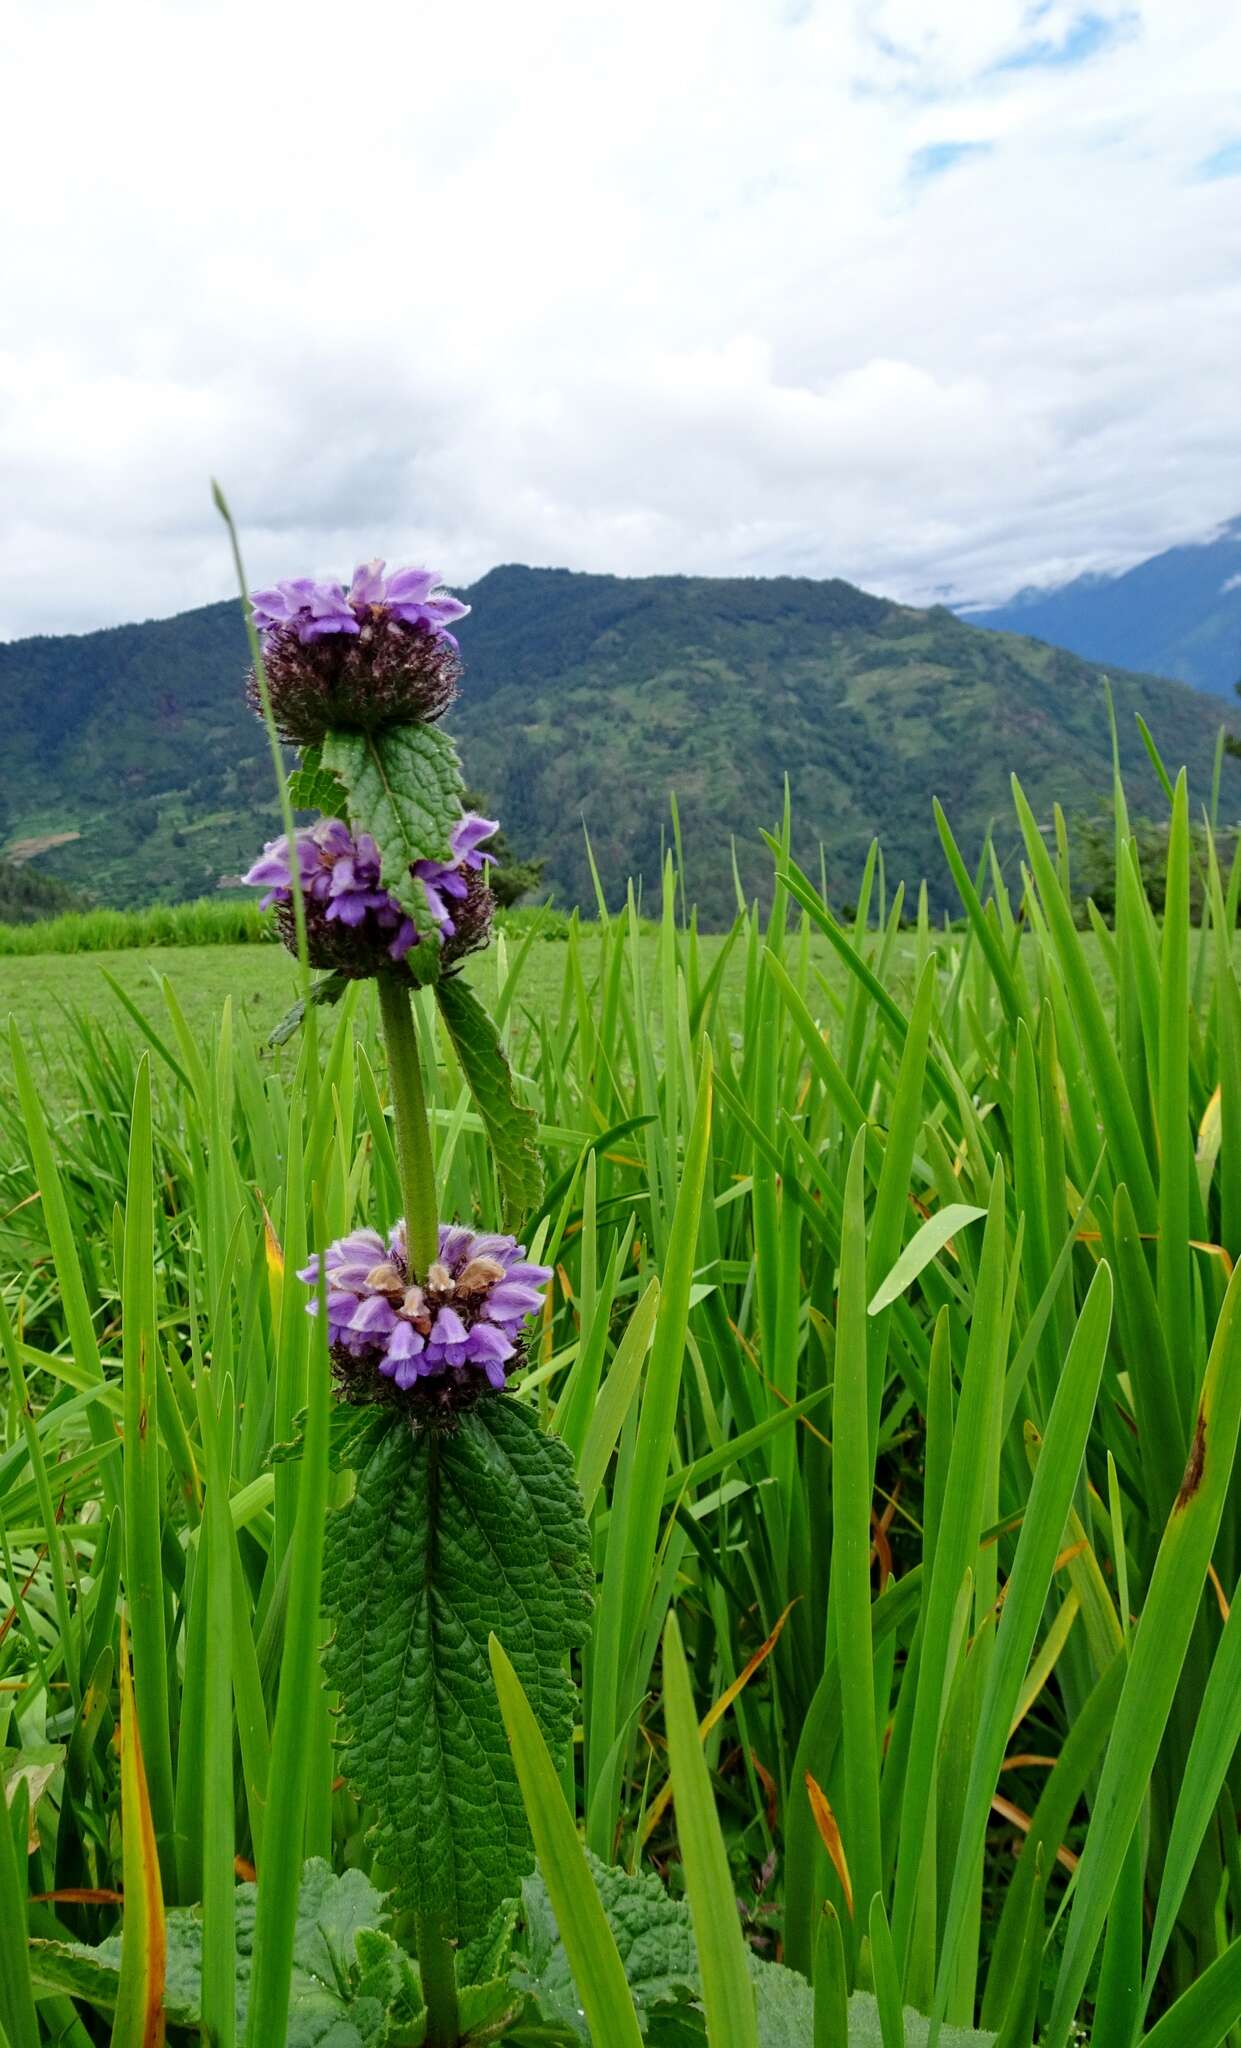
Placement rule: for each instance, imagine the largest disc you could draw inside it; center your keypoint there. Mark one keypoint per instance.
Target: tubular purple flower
(450, 879)
(380, 653)
(340, 878)
(353, 924)
(438, 1340)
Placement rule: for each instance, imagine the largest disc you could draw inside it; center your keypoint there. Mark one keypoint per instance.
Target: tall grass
(211, 921)
(895, 1338)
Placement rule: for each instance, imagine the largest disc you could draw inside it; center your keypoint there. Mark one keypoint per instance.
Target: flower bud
(433, 1343)
(380, 653)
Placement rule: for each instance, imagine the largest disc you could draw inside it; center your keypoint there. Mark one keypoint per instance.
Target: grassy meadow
(894, 1341)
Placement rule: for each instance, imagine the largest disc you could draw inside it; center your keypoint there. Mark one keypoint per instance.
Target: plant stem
(438, 1971)
(413, 1133)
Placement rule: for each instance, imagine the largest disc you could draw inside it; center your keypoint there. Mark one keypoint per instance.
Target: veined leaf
(654, 1935)
(349, 1981)
(451, 1537)
(511, 1128)
(404, 788)
(312, 787)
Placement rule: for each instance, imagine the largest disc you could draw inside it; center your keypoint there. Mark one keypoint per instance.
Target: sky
(940, 296)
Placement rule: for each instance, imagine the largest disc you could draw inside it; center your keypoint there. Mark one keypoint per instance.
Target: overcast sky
(943, 296)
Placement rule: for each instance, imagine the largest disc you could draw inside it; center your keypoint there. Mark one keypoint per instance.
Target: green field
(892, 1340)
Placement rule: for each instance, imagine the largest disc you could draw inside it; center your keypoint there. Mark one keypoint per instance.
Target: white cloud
(703, 287)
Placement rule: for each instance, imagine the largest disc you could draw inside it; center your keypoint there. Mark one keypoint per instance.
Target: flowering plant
(463, 1520)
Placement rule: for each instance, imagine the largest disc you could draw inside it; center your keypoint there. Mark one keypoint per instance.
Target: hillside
(590, 698)
(28, 896)
(1178, 614)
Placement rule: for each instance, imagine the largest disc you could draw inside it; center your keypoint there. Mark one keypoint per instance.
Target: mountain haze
(132, 761)
(1177, 614)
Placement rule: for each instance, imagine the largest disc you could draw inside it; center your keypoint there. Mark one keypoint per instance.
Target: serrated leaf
(484, 1958)
(511, 1128)
(655, 1938)
(450, 1536)
(312, 787)
(325, 990)
(349, 1983)
(403, 786)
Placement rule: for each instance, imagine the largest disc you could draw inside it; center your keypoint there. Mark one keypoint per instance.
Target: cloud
(1224, 162)
(934, 157)
(682, 288)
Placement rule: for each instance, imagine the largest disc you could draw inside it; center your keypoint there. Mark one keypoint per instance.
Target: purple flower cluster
(458, 1327)
(340, 885)
(352, 921)
(316, 609)
(380, 653)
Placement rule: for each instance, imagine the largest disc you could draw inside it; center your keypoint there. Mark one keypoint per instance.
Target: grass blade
(727, 1993)
(589, 1943)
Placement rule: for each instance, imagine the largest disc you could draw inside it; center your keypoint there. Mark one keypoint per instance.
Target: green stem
(438, 1971)
(413, 1132)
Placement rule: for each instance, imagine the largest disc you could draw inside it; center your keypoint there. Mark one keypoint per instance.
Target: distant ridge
(1177, 614)
(588, 699)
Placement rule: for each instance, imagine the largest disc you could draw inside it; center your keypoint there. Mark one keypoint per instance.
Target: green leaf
(450, 1536)
(350, 1981)
(722, 1953)
(1156, 1659)
(654, 1937)
(926, 1244)
(404, 787)
(511, 1128)
(653, 1934)
(312, 787)
(325, 990)
(598, 1972)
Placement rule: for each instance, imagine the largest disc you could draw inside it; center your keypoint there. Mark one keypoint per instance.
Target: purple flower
(450, 879)
(445, 1336)
(380, 653)
(340, 885)
(353, 924)
(316, 609)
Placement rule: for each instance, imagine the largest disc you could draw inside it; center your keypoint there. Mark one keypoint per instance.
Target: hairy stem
(437, 1969)
(413, 1133)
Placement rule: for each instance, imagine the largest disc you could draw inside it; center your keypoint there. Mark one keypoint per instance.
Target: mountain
(1178, 614)
(133, 769)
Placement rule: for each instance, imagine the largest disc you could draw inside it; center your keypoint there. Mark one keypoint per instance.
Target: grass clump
(894, 1341)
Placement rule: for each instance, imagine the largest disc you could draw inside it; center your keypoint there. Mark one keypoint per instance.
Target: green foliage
(352, 1987)
(212, 922)
(590, 698)
(511, 1128)
(404, 787)
(655, 1939)
(509, 878)
(753, 1143)
(1092, 850)
(452, 1535)
(27, 896)
(312, 787)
